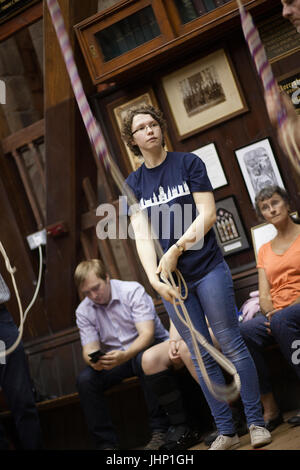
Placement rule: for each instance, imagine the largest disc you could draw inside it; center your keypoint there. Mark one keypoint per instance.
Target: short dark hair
(126, 131)
(267, 193)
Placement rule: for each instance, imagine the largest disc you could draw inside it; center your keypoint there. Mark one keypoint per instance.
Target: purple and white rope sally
(265, 72)
(91, 125)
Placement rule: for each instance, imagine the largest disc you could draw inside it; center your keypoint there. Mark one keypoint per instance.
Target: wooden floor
(285, 437)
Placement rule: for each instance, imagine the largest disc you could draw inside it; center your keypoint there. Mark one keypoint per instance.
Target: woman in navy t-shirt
(175, 190)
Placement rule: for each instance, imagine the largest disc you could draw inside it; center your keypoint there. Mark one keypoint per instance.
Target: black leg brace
(165, 387)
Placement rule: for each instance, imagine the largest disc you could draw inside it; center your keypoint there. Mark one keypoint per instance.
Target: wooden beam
(26, 18)
(32, 72)
(13, 236)
(68, 160)
(23, 137)
(29, 189)
(4, 129)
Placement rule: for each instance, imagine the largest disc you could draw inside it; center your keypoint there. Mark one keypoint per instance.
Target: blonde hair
(85, 267)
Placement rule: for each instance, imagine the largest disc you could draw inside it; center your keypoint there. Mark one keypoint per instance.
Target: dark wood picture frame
(258, 166)
(229, 229)
(204, 93)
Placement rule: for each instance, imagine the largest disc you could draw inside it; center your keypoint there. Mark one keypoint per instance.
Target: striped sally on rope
(265, 72)
(227, 392)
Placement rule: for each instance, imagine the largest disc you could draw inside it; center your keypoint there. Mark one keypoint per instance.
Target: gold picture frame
(118, 109)
(203, 94)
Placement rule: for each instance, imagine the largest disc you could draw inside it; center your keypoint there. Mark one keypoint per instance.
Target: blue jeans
(213, 297)
(285, 328)
(17, 387)
(91, 386)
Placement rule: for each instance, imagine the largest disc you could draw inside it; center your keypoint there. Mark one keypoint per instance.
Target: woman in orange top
(279, 294)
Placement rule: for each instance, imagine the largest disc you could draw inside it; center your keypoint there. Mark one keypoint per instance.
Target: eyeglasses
(152, 126)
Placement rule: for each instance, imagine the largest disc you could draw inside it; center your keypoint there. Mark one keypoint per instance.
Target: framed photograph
(203, 94)
(117, 111)
(258, 167)
(263, 233)
(215, 172)
(228, 228)
(290, 84)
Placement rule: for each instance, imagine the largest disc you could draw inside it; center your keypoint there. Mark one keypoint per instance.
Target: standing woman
(279, 295)
(177, 193)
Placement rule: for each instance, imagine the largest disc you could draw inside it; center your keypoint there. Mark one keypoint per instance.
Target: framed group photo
(203, 94)
(117, 111)
(229, 230)
(258, 167)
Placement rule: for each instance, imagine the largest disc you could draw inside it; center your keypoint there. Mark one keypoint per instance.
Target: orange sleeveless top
(283, 272)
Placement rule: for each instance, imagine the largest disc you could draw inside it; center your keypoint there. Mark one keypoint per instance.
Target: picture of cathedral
(164, 196)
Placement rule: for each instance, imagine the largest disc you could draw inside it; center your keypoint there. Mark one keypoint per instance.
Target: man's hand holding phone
(100, 360)
(94, 359)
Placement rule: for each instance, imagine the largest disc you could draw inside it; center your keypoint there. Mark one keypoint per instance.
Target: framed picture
(290, 84)
(117, 111)
(258, 167)
(215, 172)
(263, 233)
(228, 228)
(279, 37)
(203, 94)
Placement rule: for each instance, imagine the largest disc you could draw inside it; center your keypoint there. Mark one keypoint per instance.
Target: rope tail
(102, 154)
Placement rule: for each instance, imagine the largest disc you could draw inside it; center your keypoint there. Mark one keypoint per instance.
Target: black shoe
(272, 424)
(210, 438)
(181, 438)
(294, 420)
(239, 421)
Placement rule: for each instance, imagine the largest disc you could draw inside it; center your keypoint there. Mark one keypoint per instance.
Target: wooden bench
(71, 398)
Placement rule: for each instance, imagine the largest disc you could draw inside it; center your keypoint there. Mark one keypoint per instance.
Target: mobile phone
(95, 356)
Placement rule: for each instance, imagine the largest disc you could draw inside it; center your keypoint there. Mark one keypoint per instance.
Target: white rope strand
(22, 316)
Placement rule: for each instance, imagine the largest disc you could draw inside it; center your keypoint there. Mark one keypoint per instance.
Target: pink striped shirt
(113, 325)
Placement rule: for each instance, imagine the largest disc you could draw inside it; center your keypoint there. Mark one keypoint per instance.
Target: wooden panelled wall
(54, 347)
(69, 160)
(228, 136)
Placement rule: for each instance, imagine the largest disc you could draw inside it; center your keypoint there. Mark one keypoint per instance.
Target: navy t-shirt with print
(166, 192)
